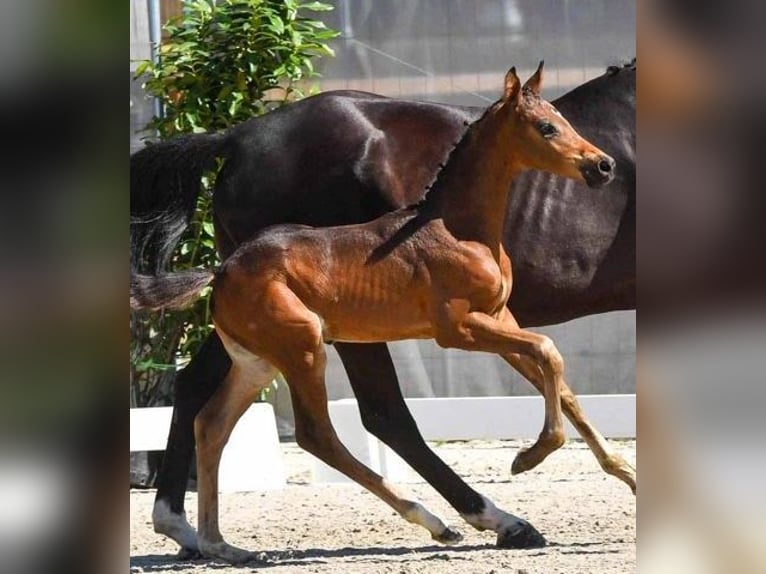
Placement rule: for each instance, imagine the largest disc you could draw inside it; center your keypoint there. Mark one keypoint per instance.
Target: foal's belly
(375, 326)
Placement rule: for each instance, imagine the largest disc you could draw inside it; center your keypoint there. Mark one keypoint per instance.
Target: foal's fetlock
(622, 469)
(416, 513)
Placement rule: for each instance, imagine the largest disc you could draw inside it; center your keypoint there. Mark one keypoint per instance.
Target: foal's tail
(165, 180)
(168, 291)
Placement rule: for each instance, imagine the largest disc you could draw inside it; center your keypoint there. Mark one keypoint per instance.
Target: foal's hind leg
(608, 458)
(304, 372)
(248, 375)
(194, 385)
(385, 414)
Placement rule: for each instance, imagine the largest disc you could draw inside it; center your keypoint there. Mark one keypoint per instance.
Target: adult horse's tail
(164, 185)
(167, 291)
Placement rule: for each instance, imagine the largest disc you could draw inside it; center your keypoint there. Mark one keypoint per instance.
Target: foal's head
(544, 140)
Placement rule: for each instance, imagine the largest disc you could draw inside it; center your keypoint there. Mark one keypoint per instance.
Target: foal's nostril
(605, 166)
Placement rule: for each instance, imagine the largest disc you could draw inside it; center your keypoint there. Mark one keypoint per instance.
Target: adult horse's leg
(385, 415)
(611, 462)
(193, 387)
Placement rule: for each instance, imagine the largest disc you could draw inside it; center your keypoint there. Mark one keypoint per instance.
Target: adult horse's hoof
(188, 554)
(448, 536)
(525, 536)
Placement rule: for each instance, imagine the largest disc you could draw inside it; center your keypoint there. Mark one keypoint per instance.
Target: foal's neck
(471, 192)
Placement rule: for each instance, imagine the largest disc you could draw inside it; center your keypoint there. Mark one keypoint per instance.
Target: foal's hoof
(227, 553)
(524, 536)
(518, 465)
(448, 536)
(526, 459)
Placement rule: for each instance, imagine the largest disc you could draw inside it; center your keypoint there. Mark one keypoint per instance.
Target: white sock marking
(492, 518)
(173, 525)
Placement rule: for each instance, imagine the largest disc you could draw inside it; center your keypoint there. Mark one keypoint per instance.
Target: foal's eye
(547, 129)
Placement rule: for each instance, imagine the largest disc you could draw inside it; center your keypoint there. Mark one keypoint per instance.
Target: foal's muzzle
(598, 170)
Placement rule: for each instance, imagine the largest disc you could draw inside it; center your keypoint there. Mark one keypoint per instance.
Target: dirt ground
(588, 518)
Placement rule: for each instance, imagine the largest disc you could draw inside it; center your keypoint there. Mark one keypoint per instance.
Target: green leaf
(220, 57)
(277, 25)
(142, 68)
(316, 7)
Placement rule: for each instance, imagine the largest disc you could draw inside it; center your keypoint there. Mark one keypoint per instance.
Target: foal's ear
(534, 83)
(512, 85)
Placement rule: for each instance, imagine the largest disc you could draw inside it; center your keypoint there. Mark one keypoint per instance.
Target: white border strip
(251, 460)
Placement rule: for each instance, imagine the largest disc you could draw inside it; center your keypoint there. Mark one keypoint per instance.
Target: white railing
(251, 460)
(468, 418)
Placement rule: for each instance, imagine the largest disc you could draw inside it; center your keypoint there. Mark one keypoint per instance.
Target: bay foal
(435, 270)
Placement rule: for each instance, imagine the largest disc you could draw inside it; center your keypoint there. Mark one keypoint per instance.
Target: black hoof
(188, 554)
(525, 536)
(449, 536)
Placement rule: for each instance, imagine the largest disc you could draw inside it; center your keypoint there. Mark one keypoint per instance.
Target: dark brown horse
(435, 270)
(351, 157)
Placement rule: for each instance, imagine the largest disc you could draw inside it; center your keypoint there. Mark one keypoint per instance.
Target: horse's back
(331, 159)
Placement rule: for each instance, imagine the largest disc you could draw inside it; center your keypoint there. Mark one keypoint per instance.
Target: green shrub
(222, 63)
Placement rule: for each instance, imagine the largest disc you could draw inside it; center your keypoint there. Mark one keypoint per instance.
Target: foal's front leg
(609, 459)
(501, 335)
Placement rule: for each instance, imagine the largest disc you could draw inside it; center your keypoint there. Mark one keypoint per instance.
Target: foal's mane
(456, 148)
(421, 215)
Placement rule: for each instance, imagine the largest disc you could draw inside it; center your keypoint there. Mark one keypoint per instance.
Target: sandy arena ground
(588, 518)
